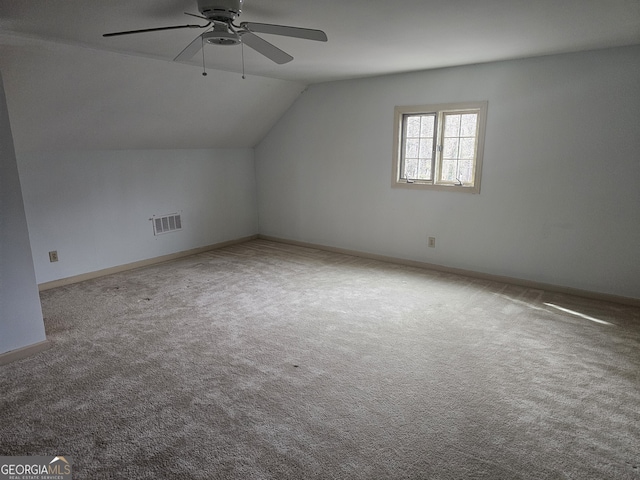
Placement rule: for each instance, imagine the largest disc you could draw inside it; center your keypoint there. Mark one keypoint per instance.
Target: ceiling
(366, 37)
(55, 50)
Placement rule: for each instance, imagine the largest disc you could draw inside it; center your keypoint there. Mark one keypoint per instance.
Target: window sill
(415, 185)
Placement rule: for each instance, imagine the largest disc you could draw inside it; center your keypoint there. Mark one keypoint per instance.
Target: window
(439, 146)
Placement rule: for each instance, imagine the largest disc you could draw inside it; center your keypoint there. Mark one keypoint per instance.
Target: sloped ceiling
(63, 97)
(70, 88)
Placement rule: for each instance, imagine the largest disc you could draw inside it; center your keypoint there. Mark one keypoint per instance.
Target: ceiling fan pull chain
(242, 50)
(204, 70)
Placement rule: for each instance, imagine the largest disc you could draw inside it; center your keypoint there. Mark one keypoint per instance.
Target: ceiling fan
(220, 30)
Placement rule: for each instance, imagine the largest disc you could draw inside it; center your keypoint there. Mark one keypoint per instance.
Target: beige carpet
(267, 361)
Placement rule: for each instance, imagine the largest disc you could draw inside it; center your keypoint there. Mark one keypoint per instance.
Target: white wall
(560, 197)
(94, 207)
(20, 313)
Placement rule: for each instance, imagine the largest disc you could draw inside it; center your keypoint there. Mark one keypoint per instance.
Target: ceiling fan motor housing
(220, 10)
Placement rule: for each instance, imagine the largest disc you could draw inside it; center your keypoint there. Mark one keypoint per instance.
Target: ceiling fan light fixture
(221, 38)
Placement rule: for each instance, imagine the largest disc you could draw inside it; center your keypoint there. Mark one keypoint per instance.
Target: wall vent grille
(166, 223)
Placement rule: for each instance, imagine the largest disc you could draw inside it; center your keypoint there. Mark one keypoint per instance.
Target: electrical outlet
(431, 242)
(53, 256)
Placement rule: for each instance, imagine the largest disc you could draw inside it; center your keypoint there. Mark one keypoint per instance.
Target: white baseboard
(634, 302)
(20, 353)
(142, 263)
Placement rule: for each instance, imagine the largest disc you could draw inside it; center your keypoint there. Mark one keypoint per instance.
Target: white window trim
(399, 113)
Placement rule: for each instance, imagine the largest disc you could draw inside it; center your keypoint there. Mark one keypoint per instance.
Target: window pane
(427, 125)
(452, 125)
(458, 148)
(450, 150)
(468, 125)
(411, 169)
(413, 126)
(426, 147)
(449, 170)
(465, 171)
(424, 169)
(467, 147)
(412, 149)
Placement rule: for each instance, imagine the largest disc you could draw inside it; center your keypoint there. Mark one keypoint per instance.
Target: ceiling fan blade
(265, 48)
(306, 33)
(145, 30)
(194, 15)
(190, 50)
